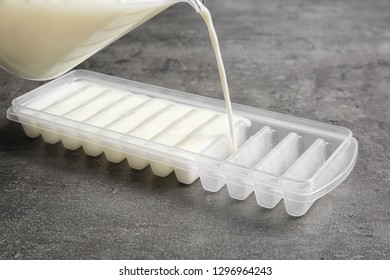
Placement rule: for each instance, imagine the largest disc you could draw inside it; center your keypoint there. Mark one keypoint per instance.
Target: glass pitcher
(43, 39)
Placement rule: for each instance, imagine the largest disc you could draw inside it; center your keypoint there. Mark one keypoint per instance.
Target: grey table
(322, 60)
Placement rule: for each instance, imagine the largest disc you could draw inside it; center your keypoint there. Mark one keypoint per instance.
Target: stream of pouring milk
(204, 12)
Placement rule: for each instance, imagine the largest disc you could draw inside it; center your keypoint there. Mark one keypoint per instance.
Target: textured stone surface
(322, 60)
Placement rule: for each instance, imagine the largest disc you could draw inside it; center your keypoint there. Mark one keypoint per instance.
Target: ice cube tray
(279, 156)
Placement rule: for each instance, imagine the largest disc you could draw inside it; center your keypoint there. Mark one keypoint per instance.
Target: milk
(83, 108)
(41, 40)
(195, 120)
(204, 12)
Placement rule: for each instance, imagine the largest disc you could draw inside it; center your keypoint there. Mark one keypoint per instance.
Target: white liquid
(40, 39)
(204, 12)
(155, 119)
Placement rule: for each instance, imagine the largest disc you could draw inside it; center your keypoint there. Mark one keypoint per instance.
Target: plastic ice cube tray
(279, 156)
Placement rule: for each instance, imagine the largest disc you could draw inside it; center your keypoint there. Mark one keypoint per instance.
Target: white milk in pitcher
(41, 40)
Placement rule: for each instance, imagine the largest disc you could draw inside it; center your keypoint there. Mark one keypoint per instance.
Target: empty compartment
(213, 178)
(276, 162)
(297, 209)
(304, 168)
(240, 163)
(335, 169)
(309, 162)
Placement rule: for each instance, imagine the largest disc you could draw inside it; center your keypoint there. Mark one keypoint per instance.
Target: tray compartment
(177, 133)
(208, 139)
(153, 126)
(86, 111)
(51, 134)
(244, 159)
(276, 162)
(128, 121)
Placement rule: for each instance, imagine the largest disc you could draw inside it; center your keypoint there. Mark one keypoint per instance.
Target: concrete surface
(322, 60)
